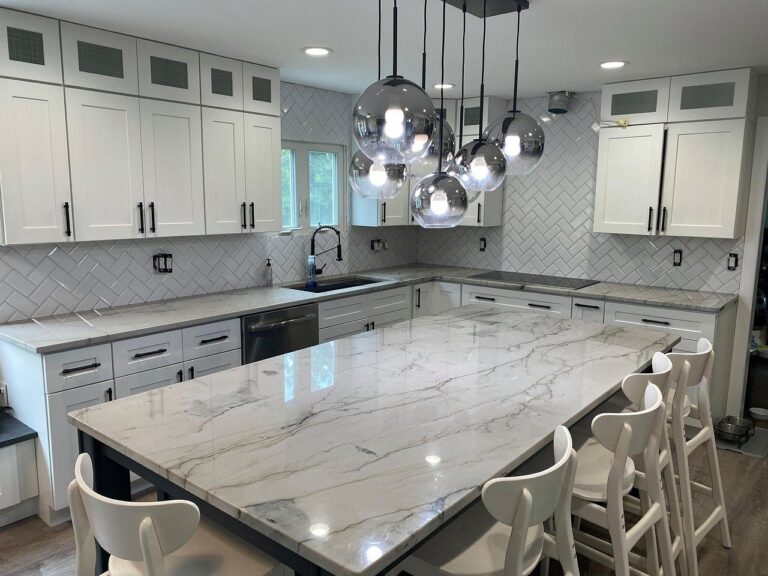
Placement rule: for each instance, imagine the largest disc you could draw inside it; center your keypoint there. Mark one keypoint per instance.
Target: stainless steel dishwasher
(277, 332)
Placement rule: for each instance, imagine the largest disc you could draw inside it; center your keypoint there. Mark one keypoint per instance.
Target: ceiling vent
(560, 102)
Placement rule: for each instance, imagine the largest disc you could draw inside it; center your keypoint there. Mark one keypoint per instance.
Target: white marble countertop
(56, 333)
(353, 451)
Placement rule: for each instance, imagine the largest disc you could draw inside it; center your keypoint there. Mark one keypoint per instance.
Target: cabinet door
(712, 96)
(212, 364)
(397, 211)
(261, 89)
(549, 304)
(450, 108)
(224, 161)
(705, 174)
(172, 157)
(422, 299)
(262, 173)
(64, 448)
(168, 72)
(99, 59)
(640, 102)
(29, 47)
(628, 179)
(485, 211)
(149, 380)
(105, 159)
(589, 310)
(221, 82)
(445, 296)
(34, 168)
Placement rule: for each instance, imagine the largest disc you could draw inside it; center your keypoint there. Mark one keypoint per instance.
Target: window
(312, 185)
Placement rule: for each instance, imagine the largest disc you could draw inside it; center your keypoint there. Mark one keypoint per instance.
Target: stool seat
(593, 465)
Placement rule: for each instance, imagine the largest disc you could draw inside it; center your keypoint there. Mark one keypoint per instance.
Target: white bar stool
(146, 538)
(692, 373)
(606, 473)
(504, 534)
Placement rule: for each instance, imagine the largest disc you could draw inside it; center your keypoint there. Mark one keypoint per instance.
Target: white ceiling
(562, 41)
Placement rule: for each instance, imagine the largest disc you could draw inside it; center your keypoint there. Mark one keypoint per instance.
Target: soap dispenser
(268, 273)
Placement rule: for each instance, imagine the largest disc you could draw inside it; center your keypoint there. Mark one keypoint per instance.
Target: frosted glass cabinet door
(713, 95)
(172, 155)
(262, 173)
(105, 160)
(34, 169)
(221, 82)
(628, 179)
(29, 47)
(705, 176)
(168, 72)
(261, 89)
(640, 102)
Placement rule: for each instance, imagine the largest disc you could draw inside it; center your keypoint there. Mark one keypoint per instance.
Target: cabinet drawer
(343, 310)
(389, 300)
(147, 352)
(212, 364)
(589, 310)
(74, 368)
(341, 330)
(211, 339)
(390, 318)
(148, 380)
(550, 304)
(688, 325)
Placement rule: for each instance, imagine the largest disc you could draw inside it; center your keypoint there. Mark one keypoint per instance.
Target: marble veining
(353, 451)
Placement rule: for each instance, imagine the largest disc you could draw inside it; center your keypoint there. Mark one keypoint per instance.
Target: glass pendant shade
(372, 179)
(521, 138)
(438, 201)
(393, 121)
(480, 166)
(429, 163)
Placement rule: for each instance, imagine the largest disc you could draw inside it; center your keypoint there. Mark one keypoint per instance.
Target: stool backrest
(630, 431)
(137, 531)
(699, 374)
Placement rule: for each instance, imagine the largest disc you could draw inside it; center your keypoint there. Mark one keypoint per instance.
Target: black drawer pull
(68, 231)
(180, 375)
(479, 213)
(485, 298)
(664, 219)
(659, 322)
(109, 394)
(367, 326)
(212, 340)
(152, 353)
(192, 372)
(152, 226)
(590, 306)
(244, 223)
(542, 306)
(383, 212)
(80, 368)
(650, 218)
(141, 217)
(373, 325)
(418, 297)
(253, 216)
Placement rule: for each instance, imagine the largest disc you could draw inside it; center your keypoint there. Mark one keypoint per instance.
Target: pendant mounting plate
(493, 8)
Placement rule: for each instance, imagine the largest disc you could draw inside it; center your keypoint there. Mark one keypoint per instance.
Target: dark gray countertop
(13, 432)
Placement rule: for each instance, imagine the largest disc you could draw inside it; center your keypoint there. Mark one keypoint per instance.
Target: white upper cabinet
(34, 169)
(221, 82)
(261, 89)
(262, 173)
(29, 47)
(713, 95)
(105, 163)
(706, 175)
(172, 155)
(473, 123)
(485, 211)
(640, 102)
(628, 179)
(99, 59)
(372, 212)
(168, 72)
(450, 108)
(224, 162)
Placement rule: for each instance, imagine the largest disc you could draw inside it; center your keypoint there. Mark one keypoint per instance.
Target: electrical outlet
(677, 258)
(163, 263)
(483, 244)
(733, 261)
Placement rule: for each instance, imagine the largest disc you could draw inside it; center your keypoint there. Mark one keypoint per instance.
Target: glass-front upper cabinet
(261, 89)
(168, 72)
(29, 47)
(98, 59)
(221, 82)
(713, 96)
(639, 102)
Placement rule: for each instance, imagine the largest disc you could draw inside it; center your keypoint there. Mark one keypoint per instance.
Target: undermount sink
(335, 284)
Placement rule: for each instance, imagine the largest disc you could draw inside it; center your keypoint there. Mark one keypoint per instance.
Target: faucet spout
(312, 269)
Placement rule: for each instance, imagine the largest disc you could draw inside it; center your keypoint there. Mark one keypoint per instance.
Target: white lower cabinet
(550, 304)
(63, 436)
(362, 313)
(589, 310)
(422, 299)
(342, 330)
(148, 380)
(435, 297)
(18, 474)
(211, 364)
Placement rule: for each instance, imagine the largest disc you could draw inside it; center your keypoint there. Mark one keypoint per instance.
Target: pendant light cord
(482, 74)
(463, 54)
(442, 94)
(379, 69)
(424, 52)
(517, 61)
(394, 38)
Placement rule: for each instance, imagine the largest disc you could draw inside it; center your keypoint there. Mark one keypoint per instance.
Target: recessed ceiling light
(445, 86)
(613, 64)
(316, 51)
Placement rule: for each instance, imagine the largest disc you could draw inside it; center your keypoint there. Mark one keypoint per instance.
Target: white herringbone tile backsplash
(547, 226)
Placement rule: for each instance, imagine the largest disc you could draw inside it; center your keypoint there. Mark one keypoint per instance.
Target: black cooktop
(535, 279)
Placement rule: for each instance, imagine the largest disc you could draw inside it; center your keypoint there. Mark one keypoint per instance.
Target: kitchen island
(344, 456)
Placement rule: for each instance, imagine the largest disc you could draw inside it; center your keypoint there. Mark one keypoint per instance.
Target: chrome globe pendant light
(372, 179)
(480, 164)
(519, 136)
(393, 119)
(429, 163)
(439, 200)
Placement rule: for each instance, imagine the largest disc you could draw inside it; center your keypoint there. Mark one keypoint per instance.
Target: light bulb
(479, 168)
(377, 175)
(393, 123)
(419, 142)
(439, 203)
(512, 145)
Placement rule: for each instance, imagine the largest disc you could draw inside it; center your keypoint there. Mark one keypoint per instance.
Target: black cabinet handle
(664, 219)
(542, 306)
(68, 230)
(418, 297)
(242, 207)
(383, 212)
(109, 394)
(152, 226)
(191, 371)
(253, 216)
(590, 306)
(659, 322)
(367, 326)
(211, 340)
(180, 375)
(80, 368)
(151, 353)
(373, 325)
(485, 298)
(479, 212)
(650, 218)
(141, 217)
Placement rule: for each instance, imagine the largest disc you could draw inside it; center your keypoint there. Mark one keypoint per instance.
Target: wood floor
(29, 548)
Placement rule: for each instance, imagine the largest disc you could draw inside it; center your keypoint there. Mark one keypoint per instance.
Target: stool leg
(656, 495)
(717, 487)
(617, 530)
(676, 521)
(684, 474)
(651, 549)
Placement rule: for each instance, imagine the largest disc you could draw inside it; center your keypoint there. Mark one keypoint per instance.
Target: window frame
(300, 154)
